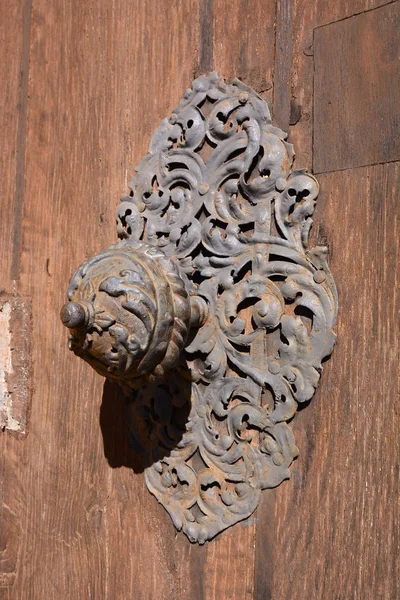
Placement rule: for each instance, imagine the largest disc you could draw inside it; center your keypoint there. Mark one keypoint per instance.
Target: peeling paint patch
(14, 363)
(5, 361)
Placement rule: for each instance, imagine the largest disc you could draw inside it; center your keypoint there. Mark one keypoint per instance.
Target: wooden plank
(283, 64)
(101, 76)
(340, 509)
(14, 47)
(243, 47)
(265, 546)
(357, 112)
(229, 569)
(14, 66)
(206, 38)
(337, 521)
(306, 17)
(244, 42)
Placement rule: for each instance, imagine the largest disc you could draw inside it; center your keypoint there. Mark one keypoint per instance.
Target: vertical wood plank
(357, 112)
(14, 44)
(244, 40)
(265, 546)
(206, 41)
(336, 520)
(102, 75)
(243, 47)
(283, 63)
(338, 523)
(14, 49)
(306, 17)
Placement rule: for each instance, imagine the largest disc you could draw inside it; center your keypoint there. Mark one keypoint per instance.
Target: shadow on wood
(143, 427)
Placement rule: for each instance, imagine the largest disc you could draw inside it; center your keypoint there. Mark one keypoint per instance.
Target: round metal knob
(130, 313)
(76, 315)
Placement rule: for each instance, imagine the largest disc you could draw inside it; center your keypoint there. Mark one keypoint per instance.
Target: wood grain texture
(77, 520)
(244, 42)
(100, 79)
(265, 546)
(337, 521)
(357, 113)
(206, 37)
(14, 66)
(307, 16)
(283, 64)
(243, 47)
(14, 24)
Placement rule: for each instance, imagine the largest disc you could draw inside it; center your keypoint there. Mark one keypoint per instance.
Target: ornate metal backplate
(215, 233)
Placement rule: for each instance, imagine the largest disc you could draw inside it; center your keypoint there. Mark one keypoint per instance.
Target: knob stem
(77, 315)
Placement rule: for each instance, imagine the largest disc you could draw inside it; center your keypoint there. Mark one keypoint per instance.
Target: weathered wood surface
(14, 24)
(306, 17)
(338, 520)
(70, 520)
(357, 112)
(77, 522)
(14, 65)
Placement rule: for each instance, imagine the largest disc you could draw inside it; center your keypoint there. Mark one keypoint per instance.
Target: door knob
(212, 278)
(129, 312)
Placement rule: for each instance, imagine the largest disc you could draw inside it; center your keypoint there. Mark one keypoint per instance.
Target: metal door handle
(213, 276)
(129, 312)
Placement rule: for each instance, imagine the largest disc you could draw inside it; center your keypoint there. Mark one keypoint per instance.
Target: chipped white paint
(5, 367)
(15, 314)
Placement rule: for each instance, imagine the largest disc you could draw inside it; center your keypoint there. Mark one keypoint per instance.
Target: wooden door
(84, 84)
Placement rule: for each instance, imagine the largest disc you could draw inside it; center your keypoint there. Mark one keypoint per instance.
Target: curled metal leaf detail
(250, 308)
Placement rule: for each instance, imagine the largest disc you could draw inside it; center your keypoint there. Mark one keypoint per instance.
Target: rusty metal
(211, 312)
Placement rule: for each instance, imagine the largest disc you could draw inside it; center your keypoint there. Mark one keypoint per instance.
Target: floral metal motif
(216, 198)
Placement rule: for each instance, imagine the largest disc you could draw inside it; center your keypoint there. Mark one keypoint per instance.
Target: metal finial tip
(74, 315)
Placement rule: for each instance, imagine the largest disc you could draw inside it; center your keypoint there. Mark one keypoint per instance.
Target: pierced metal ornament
(212, 279)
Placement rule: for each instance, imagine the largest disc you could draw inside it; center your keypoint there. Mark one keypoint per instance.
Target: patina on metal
(212, 278)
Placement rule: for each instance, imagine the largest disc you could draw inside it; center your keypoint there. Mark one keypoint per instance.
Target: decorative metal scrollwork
(213, 278)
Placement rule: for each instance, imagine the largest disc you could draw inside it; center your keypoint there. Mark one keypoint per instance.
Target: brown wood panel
(77, 522)
(338, 514)
(14, 66)
(357, 111)
(244, 42)
(307, 16)
(101, 75)
(243, 47)
(283, 63)
(14, 50)
(337, 521)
